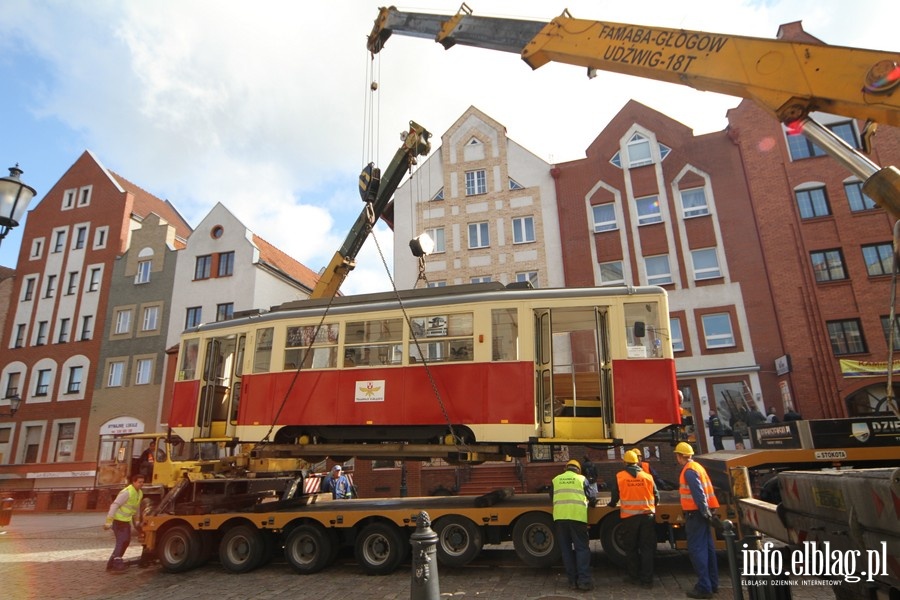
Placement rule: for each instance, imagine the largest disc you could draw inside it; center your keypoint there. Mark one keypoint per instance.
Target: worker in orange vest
(698, 499)
(637, 493)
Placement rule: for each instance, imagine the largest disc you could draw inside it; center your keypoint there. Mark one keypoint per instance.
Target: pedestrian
(639, 496)
(716, 430)
(571, 496)
(737, 434)
(589, 470)
(698, 499)
(124, 510)
(338, 484)
(792, 415)
(145, 462)
(771, 416)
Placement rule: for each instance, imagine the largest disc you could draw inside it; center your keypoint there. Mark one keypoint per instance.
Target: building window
(202, 267)
(677, 338)
(528, 276)
(855, 197)
(706, 264)
(717, 330)
(879, 259)
(143, 271)
(846, 337)
(80, 237)
(51, 286)
(658, 271)
(42, 387)
(149, 321)
(648, 210)
(813, 203)
(74, 385)
(20, 336)
(437, 236)
(226, 264)
(41, 337)
(478, 235)
(828, 265)
(31, 451)
(68, 199)
(86, 324)
(28, 293)
(515, 185)
(439, 195)
(604, 217)
(85, 196)
(482, 279)
(476, 183)
(224, 311)
(693, 203)
(72, 283)
(94, 283)
(523, 230)
(192, 318)
(802, 147)
(612, 273)
(100, 237)
(63, 336)
(886, 327)
(116, 374)
(37, 247)
(437, 284)
(639, 151)
(123, 322)
(12, 384)
(59, 241)
(143, 371)
(65, 442)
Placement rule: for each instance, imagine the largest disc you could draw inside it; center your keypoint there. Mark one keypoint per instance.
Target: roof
(277, 259)
(146, 203)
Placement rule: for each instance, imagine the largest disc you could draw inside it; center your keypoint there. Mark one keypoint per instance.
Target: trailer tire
(535, 541)
(179, 549)
(611, 539)
(380, 548)
(459, 540)
(309, 549)
(242, 549)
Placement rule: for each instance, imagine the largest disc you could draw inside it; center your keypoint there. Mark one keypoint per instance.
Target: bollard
(733, 570)
(424, 585)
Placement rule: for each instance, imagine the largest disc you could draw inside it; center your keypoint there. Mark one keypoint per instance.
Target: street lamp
(14, 198)
(14, 402)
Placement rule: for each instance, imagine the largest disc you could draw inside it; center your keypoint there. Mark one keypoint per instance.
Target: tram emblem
(370, 391)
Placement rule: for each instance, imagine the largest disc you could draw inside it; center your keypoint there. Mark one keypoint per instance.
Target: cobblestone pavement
(63, 556)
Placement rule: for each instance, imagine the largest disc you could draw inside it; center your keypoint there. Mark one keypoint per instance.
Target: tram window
(377, 330)
(505, 333)
(316, 346)
(262, 355)
(189, 360)
(442, 338)
(643, 331)
(373, 355)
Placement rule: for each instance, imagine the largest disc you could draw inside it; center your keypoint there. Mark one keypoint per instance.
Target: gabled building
(489, 205)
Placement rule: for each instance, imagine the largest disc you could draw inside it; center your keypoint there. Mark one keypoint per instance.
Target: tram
(474, 364)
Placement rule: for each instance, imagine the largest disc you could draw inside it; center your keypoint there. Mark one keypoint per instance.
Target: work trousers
(122, 531)
(639, 542)
(702, 550)
(576, 553)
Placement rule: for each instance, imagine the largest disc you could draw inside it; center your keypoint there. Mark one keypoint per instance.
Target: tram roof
(421, 297)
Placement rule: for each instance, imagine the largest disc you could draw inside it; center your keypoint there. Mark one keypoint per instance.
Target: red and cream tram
(488, 363)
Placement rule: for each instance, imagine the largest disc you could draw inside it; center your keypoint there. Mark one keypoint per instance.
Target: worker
(698, 499)
(147, 459)
(571, 496)
(338, 484)
(639, 497)
(124, 510)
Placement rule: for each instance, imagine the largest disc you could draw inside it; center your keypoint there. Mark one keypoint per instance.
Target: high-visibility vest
(645, 467)
(127, 511)
(635, 494)
(687, 500)
(569, 500)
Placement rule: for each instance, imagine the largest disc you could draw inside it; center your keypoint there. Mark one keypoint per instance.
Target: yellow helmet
(630, 458)
(684, 448)
(574, 464)
(638, 452)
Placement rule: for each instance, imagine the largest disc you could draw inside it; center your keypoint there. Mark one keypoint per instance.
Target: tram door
(573, 373)
(220, 388)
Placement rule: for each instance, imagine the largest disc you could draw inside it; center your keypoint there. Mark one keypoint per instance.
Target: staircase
(487, 478)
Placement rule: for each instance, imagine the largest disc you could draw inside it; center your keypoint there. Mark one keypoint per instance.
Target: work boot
(695, 593)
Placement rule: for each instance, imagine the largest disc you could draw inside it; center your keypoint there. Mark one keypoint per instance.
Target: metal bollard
(424, 585)
(729, 535)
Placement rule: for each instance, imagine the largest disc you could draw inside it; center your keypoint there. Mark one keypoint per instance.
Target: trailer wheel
(611, 537)
(380, 548)
(242, 549)
(179, 549)
(309, 549)
(535, 541)
(459, 540)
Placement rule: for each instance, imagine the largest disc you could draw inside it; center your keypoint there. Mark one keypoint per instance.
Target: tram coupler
(424, 585)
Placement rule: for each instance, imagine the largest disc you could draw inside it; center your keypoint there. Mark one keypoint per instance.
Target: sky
(267, 107)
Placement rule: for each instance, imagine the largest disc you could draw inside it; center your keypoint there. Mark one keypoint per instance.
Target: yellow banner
(867, 368)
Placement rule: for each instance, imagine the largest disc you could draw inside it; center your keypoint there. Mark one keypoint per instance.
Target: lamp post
(14, 198)
(14, 402)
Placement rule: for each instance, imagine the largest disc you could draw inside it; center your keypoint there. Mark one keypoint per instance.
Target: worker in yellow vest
(124, 510)
(698, 499)
(638, 496)
(571, 497)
